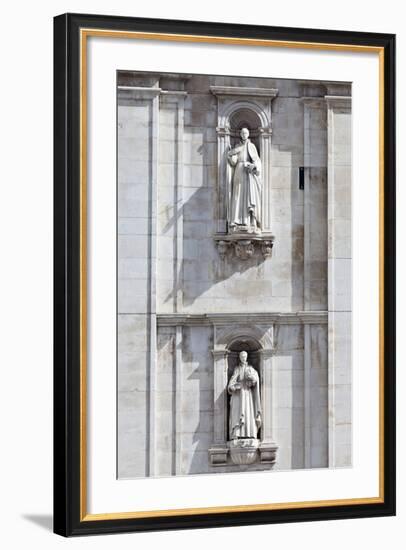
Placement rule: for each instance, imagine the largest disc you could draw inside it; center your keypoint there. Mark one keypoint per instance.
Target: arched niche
(236, 110)
(257, 340)
(246, 118)
(253, 348)
(238, 107)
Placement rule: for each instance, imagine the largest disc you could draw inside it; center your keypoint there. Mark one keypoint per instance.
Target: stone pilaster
(314, 247)
(223, 144)
(218, 451)
(178, 400)
(171, 194)
(138, 107)
(339, 277)
(267, 447)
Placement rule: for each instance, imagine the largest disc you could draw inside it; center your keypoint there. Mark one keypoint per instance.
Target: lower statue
(245, 403)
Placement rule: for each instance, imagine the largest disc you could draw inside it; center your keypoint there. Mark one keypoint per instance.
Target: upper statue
(245, 404)
(244, 182)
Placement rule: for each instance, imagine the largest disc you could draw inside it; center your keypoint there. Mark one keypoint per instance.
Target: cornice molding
(218, 319)
(244, 91)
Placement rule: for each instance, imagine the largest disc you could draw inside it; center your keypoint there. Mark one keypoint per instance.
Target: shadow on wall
(201, 268)
(287, 200)
(289, 396)
(297, 419)
(197, 406)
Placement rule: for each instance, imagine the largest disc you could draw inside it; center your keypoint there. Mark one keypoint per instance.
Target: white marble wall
(133, 272)
(339, 287)
(167, 195)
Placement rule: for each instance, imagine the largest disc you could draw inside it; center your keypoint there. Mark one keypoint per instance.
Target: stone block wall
(134, 119)
(171, 279)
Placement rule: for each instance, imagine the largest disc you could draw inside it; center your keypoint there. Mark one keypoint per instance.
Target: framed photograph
(224, 274)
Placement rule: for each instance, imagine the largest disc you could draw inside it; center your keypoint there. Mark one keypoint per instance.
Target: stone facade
(185, 307)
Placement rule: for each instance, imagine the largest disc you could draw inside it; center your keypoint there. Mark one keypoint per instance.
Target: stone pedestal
(267, 452)
(245, 245)
(243, 451)
(218, 455)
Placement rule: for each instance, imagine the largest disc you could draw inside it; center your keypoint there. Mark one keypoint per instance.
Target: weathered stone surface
(168, 263)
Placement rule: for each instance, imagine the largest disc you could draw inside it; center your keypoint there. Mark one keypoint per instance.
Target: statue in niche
(245, 404)
(244, 183)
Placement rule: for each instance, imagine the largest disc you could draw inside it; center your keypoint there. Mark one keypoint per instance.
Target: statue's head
(243, 356)
(244, 133)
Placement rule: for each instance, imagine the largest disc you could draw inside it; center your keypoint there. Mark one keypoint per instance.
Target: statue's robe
(245, 404)
(244, 186)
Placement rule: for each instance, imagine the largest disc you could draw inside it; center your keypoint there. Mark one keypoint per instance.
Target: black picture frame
(68, 519)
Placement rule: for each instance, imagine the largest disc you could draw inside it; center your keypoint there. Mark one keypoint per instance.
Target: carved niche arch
(246, 114)
(259, 341)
